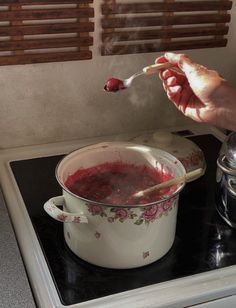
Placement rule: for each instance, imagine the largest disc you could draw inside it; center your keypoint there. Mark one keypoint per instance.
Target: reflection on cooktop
(203, 241)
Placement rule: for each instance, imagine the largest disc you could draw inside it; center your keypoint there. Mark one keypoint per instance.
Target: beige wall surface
(52, 102)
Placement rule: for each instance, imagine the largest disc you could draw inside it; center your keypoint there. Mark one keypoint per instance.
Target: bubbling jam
(116, 182)
(114, 85)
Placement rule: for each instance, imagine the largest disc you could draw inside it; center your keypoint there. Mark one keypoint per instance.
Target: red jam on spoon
(114, 85)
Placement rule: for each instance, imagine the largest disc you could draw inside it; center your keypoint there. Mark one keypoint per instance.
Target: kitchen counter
(14, 286)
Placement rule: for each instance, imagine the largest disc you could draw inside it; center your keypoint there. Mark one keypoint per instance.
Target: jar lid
(182, 148)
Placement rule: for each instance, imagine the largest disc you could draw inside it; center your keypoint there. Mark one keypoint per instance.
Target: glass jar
(226, 181)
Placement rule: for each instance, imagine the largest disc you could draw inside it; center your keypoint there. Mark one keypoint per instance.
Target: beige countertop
(15, 289)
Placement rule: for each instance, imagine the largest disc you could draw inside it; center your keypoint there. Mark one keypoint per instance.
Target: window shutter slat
(139, 27)
(155, 7)
(40, 2)
(37, 31)
(45, 57)
(45, 14)
(122, 22)
(153, 47)
(164, 33)
(46, 29)
(44, 43)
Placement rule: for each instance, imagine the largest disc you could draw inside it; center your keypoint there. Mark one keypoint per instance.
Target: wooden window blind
(35, 31)
(140, 27)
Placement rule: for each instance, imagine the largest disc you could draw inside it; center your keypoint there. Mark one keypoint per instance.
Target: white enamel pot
(124, 236)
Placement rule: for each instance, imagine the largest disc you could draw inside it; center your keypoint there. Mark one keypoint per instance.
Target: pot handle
(51, 207)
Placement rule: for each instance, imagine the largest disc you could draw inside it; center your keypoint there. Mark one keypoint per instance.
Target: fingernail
(175, 89)
(168, 54)
(166, 74)
(171, 81)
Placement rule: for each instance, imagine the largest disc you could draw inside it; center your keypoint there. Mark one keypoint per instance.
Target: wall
(52, 102)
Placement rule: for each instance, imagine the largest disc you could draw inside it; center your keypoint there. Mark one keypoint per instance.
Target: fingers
(201, 80)
(183, 62)
(176, 58)
(192, 70)
(161, 59)
(185, 98)
(181, 96)
(171, 81)
(190, 86)
(172, 92)
(169, 73)
(178, 93)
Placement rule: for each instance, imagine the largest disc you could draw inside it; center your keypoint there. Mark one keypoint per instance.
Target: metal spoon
(114, 84)
(147, 70)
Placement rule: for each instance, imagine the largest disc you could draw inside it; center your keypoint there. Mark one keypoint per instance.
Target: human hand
(198, 92)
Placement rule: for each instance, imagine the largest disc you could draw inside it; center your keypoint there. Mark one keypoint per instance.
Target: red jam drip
(116, 182)
(114, 85)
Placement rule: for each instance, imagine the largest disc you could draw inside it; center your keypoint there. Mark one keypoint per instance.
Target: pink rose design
(186, 162)
(121, 213)
(97, 234)
(145, 254)
(76, 219)
(50, 209)
(61, 217)
(152, 213)
(95, 209)
(167, 205)
(196, 157)
(110, 219)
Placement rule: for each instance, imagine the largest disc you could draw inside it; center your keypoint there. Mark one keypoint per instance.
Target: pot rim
(177, 191)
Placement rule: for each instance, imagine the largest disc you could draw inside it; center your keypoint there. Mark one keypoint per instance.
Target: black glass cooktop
(203, 241)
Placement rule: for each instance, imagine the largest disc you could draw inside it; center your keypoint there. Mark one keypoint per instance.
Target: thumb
(184, 63)
(203, 82)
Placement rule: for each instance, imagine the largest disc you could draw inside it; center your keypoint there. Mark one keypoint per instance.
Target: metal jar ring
(222, 165)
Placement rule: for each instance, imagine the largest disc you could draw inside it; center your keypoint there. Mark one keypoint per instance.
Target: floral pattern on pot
(145, 254)
(62, 217)
(193, 159)
(146, 214)
(97, 234)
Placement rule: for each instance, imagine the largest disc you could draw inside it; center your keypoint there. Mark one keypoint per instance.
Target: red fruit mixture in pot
(114, 85)
(116, 182)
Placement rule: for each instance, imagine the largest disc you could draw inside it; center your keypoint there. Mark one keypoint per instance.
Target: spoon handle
(179, 180)
(152, 69)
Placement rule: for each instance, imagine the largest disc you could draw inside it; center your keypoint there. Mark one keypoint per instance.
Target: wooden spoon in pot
(179, 180)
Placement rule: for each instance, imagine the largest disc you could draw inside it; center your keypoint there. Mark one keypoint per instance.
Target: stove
(199, 267)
